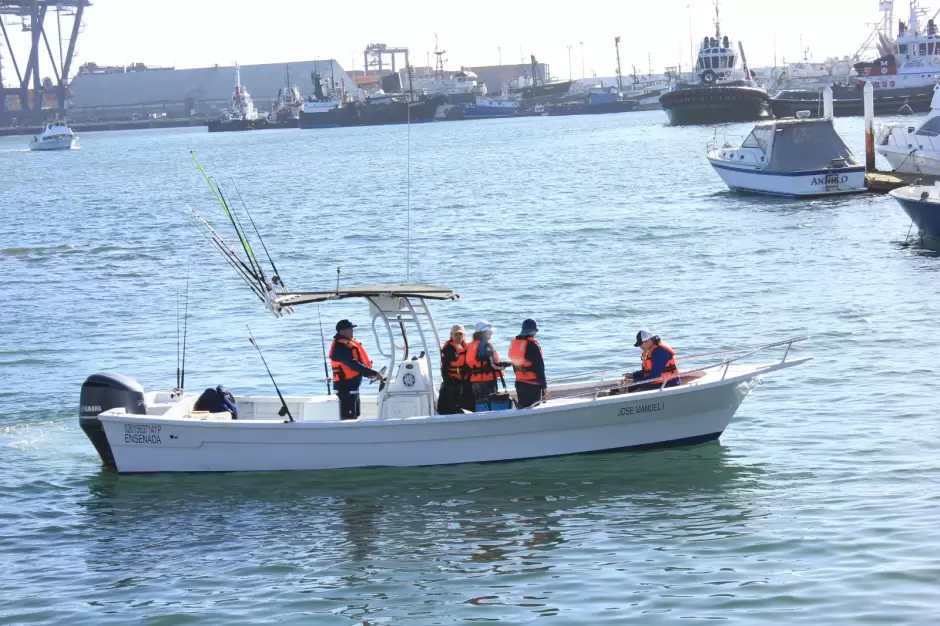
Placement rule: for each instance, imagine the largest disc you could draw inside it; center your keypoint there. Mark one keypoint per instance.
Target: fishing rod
(177, 332)
(241, 229)
(276, 279)
(326, 372)
(284, 410)
(218, 194)
(247, 273)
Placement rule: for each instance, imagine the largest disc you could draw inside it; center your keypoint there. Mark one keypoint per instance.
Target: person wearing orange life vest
(659, 364)
(525, 353)
(483, 364)
(350, 363)
(456, 393)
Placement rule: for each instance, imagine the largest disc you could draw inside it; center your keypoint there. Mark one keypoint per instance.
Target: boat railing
(724, 366)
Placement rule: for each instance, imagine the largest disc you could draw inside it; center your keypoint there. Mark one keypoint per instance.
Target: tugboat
(288, 104)
(902, 76)
(724, 93)
(243, 115)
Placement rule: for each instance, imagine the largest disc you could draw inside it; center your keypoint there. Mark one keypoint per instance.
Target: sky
(199, 33)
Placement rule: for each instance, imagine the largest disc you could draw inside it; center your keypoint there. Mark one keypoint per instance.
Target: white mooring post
(869, 127)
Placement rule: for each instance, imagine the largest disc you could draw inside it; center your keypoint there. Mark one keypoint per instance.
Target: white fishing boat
(55, 136)
(913, 149)
(796, 157)
(138, 431)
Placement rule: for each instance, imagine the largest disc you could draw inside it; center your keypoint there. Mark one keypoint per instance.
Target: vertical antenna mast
(408, 199)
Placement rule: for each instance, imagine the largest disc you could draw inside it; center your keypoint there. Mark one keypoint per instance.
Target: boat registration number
(142, 434)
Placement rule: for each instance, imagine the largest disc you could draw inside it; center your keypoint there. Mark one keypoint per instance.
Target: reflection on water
(349, 534)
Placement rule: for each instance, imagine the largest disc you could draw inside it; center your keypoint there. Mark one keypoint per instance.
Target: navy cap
(344, 325)
(529, 326)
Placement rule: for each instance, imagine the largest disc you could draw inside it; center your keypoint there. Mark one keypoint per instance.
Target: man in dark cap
(658, 364)
(350, 363)
(525, 353)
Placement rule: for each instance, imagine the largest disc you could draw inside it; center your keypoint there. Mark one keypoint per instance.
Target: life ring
(709, 77)
(884, 70)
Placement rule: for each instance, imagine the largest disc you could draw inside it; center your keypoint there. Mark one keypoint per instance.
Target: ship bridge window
(759, 138)
(903, 48)
(931, 128)
(923, 49)
(723, 62)
(701, 63)
(731, 60)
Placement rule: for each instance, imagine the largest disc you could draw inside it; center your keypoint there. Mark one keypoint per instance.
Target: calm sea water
(819, 505)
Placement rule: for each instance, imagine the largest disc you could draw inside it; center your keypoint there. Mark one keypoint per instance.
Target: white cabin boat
(913, 149)
(135, 431)
(55, 136)
(798, 157)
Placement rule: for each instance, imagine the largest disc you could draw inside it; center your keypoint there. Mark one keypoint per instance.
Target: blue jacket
(660, 357)
(341, 352)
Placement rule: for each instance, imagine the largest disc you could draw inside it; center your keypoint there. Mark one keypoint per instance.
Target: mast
(717, 23)
(238, 85)
(619, 76)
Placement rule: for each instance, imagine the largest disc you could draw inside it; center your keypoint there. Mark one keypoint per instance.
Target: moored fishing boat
(136, 431)
(922, 205)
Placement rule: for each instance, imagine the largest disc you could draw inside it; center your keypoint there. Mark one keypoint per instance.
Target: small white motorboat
(793, 157)
(55, 136)
(913, 149)
(138, 431)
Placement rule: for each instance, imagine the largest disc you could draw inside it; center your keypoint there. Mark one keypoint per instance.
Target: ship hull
(715, 105)
(226, 126)
(622, 106)
(848, 103)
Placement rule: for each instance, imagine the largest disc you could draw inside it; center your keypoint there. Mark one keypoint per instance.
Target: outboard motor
(103, 392)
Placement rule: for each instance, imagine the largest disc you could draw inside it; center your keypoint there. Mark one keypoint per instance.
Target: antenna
(177, 332)
(284, 410)
(182, 384)
(326, 373)
(338, 268)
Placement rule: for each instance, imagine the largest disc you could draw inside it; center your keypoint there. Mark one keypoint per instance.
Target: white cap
(483, 327)
(643, 335)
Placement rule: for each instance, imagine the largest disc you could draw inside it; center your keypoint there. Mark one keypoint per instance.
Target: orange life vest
(669, 372)
(480, 371)
(522, 367)
(455, 369)
(341, 371)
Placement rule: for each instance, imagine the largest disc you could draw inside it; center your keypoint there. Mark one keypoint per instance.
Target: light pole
(582, 60)
(569, 62)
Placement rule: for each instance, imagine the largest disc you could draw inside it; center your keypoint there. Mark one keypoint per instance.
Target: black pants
(467, 401)
(448, 400)
(348, 404)
(527, 395)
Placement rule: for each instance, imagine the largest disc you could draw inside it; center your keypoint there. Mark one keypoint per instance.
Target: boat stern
(107, 392)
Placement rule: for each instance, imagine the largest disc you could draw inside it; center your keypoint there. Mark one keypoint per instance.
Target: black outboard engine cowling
(103, 392)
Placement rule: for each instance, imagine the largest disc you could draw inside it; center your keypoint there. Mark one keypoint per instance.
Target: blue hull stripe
(841, 170)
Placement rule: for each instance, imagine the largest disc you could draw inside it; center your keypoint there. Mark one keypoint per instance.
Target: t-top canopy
(427, 292)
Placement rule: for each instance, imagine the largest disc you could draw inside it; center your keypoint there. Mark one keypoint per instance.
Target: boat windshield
(759, 138)
(931, 128)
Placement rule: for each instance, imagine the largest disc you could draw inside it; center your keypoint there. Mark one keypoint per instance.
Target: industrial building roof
(164, 86)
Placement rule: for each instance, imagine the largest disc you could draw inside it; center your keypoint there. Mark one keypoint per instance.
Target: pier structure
(29, 89)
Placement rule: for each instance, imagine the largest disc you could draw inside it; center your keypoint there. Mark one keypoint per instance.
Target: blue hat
(529, 326)
(344, 325)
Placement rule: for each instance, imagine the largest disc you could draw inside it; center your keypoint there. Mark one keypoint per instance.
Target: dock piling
(869, 127)
(827, 103)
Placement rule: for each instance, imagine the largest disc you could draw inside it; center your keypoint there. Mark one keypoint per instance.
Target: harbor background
(818, 505)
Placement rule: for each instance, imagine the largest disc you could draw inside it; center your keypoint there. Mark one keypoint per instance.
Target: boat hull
(677, 416)
(851, 103)
(715, 105)
(826, 182)
(925, 215)
(907, 162)
(622, 106)
(220, 126)
(53, 144)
